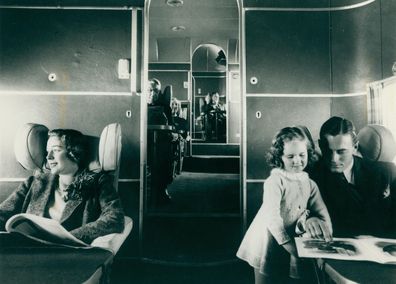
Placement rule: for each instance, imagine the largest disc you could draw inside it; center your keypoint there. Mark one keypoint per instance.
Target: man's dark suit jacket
(368, 206)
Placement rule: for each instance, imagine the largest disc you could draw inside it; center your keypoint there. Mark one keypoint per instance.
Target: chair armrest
(114, 241)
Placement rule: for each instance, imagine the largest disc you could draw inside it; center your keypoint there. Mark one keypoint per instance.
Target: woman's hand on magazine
(318, 229)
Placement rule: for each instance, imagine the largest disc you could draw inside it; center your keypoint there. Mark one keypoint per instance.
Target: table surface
(30, 262)
(345, 271)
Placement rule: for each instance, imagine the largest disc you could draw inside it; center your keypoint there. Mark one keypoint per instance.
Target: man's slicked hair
(337, 125)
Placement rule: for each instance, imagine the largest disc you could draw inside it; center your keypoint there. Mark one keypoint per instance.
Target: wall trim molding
(63, 93)
(327, 9)
(270, 95)
(122, 8)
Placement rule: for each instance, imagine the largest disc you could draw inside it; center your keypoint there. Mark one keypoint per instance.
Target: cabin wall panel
(356, 48)
(288, 52)
(254, 199)
(353, 108)
(129, 195)
(81, 47)
(300, 4)
(69, 3)
(174, 78)
(234, 129)
(89, 114)
(170, 50)
(276, 113)
(388, 9)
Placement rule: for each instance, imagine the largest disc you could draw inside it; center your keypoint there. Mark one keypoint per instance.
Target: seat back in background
(376, 143)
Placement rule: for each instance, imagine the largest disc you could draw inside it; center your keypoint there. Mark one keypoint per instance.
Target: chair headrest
(110, 147)
(167, 95)
(31, 141)
(30, 145)
(377, 143)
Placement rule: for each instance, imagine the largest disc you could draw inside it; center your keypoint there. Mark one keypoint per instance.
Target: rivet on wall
(258, 114)
(52, 77)
(253, 80)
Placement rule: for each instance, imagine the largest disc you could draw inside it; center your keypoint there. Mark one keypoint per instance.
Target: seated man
(360, 195)
(217, 117)
(158, 111)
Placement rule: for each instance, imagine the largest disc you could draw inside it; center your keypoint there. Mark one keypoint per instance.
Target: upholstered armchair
(103, 154)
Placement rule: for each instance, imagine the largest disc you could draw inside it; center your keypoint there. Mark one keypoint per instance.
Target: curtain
(374, 104)
(381, 103)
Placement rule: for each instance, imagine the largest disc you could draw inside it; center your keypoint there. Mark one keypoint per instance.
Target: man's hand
(318, 229)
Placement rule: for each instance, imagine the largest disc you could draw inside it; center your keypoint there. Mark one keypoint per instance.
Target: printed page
(42, 229)
(383, 249)
(338, 248)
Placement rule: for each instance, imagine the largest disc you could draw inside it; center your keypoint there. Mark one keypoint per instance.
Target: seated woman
(84, 202)
(180, 141)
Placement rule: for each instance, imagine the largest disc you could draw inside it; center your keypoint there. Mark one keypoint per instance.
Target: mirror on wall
(192, 56)
(209, 78)
(193, 176)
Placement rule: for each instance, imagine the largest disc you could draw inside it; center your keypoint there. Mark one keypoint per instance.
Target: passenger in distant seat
(205, 115)
(217, 117)
(159, 112)
(179, 122)
(360, 195)
(84, 202)
(181, 126)
(289, 197)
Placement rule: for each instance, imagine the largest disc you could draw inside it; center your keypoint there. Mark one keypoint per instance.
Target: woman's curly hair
(75, 144)
(274, 156)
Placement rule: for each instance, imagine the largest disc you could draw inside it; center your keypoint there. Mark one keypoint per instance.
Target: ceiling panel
(202, 19)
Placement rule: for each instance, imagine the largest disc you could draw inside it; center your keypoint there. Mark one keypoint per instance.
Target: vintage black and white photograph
(197, 141)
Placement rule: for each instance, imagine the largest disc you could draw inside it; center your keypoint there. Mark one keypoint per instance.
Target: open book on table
(362, 248)
(43, 230)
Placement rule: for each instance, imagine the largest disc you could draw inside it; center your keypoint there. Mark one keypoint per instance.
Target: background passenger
(181, 127)
(84, 202)
(162, 115)
(205, 113)
(359, 194)
(289, 194)
(217, 117)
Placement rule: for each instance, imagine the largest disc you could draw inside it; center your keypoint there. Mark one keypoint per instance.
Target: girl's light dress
(287, 196)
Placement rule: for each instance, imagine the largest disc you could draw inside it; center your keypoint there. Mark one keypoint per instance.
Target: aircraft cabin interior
(180, 101)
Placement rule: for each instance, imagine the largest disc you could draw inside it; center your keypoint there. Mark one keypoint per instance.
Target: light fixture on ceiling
(178, 28)
(174, 3)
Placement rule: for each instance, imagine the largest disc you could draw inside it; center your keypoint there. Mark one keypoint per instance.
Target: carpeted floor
(203, 193)
(140, 272)
(193, 240)
(194, 237)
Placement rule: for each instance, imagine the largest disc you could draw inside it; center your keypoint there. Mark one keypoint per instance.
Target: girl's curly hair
(274, 156)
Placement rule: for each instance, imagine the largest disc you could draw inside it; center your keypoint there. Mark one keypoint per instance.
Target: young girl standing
(289, 195)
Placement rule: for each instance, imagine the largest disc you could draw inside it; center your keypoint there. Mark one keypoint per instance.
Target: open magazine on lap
(362, 248)
(43, 230)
